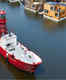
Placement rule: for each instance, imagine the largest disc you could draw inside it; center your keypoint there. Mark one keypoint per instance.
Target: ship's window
(29, 56)
(22, 48)
(10, 35)
(17, 43)
(8, 45)
(12, 49)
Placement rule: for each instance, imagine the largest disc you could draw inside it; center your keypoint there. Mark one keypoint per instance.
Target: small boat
(32, 7)
(55, 11)
(2, 17)
(17, 54)
(14, 2)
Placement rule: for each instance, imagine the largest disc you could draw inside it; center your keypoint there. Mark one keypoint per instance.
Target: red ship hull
(17, 63)
(2, 21)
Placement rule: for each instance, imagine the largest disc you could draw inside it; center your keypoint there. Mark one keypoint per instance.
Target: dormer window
(52, 8)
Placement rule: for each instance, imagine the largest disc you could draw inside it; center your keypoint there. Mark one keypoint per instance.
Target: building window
(40, 10)
(45, 11)
(58, 10)
(52, 8)
(55, 8)
(33, 6)
(63, 11)
(56, 14)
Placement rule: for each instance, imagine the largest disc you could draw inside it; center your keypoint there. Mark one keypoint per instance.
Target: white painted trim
(14, 1)
(29, 9)
(53, 19)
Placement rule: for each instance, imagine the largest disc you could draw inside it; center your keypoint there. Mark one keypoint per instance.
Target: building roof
(54, 3)
(62, 4)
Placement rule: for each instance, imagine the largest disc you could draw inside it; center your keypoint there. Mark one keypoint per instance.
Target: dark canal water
(47, 39)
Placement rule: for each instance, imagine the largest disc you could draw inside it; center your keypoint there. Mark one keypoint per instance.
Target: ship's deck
(20, 52)
(25, 56)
